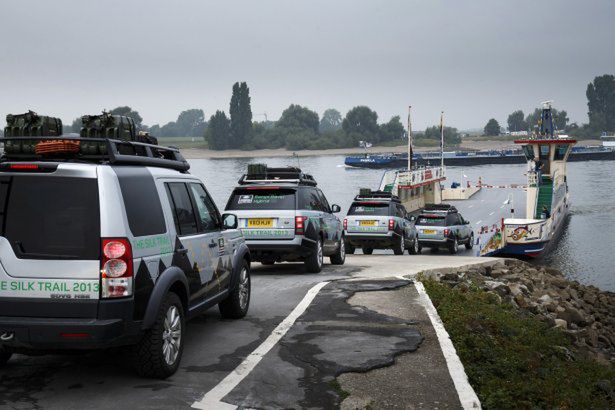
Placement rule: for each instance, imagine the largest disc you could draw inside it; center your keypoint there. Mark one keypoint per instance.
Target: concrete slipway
(365, 328)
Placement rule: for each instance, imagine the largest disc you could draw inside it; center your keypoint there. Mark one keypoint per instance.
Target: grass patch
(183, 142)
(514, 360)
(335, 385)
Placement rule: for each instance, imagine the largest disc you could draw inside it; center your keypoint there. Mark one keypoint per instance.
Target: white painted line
(467, 396)
(213, 398)
(470, 206)
(491, 213)
(502, 206)
(476, 223)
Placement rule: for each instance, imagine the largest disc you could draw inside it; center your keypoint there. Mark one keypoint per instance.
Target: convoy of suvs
(106, 240)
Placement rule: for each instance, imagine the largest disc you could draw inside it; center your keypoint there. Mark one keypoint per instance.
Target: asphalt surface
(214, 347)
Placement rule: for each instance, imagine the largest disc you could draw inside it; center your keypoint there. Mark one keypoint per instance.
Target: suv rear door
(370, 217)
(50, 242)
(264, 212)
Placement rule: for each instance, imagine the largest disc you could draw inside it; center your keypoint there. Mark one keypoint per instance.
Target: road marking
(470, 206)
(467, 395)
(502, 206)
(491, 213)
(213, 398)
(478, 222)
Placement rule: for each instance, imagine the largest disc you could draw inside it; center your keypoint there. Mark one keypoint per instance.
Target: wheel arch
(172, 279)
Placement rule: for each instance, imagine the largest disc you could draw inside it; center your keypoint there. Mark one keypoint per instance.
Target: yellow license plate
(429, 231)
(260, 223)
(368, 223)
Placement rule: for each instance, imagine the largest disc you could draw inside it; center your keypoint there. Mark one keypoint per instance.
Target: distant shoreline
(201, 153)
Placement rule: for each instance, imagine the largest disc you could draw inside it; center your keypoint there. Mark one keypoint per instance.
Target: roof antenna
(297, 157)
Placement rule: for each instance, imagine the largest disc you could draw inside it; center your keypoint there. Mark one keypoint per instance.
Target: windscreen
(369, 209)
(265, 199)
(51, 217)
(431, 220)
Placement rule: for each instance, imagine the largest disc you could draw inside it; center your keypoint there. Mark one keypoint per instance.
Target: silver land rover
(114, 249)
(378, 220)
(284, 216)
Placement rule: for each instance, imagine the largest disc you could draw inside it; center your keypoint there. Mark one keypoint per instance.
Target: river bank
(203, 153)
(585, 314)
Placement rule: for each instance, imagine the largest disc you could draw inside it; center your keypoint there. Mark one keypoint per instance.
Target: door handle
(213, 244)
(183, 251)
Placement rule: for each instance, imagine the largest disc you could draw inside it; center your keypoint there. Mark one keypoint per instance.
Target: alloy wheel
(171, 335)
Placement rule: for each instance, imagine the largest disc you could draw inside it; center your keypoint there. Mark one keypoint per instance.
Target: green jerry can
(117, 127)
(29, 124)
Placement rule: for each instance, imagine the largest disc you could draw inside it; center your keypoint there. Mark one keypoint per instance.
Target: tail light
(116, 268)
(391, 224)
(447, 232)
(300, 225)
(345, 223)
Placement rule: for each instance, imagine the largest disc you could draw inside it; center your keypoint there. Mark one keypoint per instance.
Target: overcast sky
(473, 59)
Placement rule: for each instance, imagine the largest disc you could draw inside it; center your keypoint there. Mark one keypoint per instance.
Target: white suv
(112, 250)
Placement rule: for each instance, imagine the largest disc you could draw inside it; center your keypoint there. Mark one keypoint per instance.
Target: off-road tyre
(339, 257)
(400, 246)
(149, 360)
(368, 251)
(416, 248)
(470, 243)
(5, 355)
(237, 303)
(453, 247)
(314, 262)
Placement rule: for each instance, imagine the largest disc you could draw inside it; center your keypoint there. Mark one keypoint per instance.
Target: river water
(585, 251)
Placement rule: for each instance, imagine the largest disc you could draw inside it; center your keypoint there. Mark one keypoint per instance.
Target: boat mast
(409, 140)
(441, 139)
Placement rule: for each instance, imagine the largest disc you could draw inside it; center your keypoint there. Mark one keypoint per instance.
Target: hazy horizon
(474, 60)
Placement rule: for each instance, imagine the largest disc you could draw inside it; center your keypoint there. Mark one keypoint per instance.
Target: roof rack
(262, 174)
(440, 207)
(367, 194)
(96, 150)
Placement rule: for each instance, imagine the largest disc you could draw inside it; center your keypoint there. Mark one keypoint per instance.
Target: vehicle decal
(161, 242)
(267, 232)
(50, 288)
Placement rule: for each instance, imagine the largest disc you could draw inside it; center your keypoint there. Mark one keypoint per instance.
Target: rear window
(266, 199)
(431, 220)
(51, 217)
(366, 208)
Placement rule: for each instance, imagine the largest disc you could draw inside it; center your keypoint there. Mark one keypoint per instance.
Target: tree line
(600, 95)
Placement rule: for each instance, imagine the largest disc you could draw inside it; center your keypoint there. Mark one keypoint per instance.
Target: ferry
(606, 151)
(547, 199)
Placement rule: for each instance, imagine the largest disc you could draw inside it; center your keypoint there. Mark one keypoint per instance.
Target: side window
(183, 213)
(207, 213)
(401, 211)
(310, 200)
(324, 204)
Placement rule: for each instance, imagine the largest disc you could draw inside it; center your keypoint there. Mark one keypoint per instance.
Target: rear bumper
(434, 242)
(379, 240)
(51, 334)
(281, 250)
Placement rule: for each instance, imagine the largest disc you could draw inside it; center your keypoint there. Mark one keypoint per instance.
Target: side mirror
(466, 222)
(335, 208)
(229, 221)
(410, 217)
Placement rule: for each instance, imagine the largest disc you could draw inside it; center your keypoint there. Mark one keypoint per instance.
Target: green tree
(451, 135)
(129, 112)
(492, 128)
(362, 121)
(331, 120)
(601, 103)
(76, 125)
(218, 133)
(392, 130)
(241, 115)
(516, 121)
(296, 117)
(190, 123)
